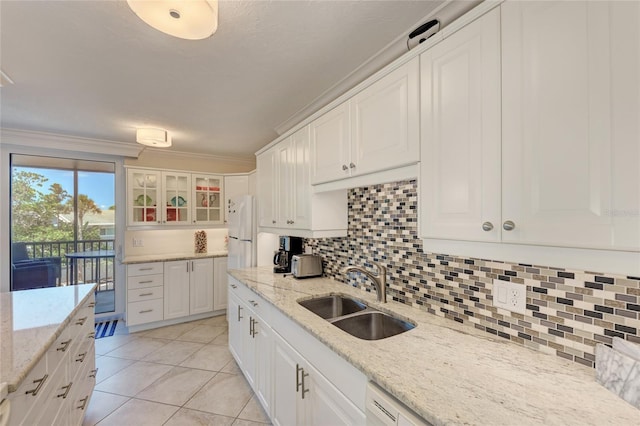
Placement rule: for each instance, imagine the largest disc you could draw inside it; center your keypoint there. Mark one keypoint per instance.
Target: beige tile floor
(177, 375)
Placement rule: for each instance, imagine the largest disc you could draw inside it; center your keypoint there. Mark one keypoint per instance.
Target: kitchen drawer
(24, 399)
(140, 294)
(143, 281)
(144, 269)
(145, 311)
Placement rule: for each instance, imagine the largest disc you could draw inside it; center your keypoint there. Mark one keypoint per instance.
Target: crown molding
(67, 143)
(186, 154)
(446, 13)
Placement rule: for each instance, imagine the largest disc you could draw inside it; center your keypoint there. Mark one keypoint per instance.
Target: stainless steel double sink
(356, 317)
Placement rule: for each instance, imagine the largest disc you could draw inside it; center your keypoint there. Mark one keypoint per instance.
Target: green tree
(37, 215)
(85, 205)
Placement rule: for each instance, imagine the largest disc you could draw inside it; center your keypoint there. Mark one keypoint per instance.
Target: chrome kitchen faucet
(379, 280)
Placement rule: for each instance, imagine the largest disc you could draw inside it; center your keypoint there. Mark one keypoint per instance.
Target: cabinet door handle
(352, 166)
(92, 335)
(508, 226)
(239, 310)
(93, 373)
(81, 321)
(91, 305)
(40, 382)
(273, 221)
(487, 226)
(81, 357)
(84, 403)
(64, 346)
(300, 380)
(254, 332)
(253, 302)
(66, 391)
(234, 286)
(344, 167)
(251, 326)
(187, 266)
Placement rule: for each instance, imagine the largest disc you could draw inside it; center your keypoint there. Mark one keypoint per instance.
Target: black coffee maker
(289, 246)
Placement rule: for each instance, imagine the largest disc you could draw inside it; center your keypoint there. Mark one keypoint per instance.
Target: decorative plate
(142, 201)
(180, 202)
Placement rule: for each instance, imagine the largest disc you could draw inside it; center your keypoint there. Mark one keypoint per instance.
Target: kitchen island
(46, 339)
(451, 373)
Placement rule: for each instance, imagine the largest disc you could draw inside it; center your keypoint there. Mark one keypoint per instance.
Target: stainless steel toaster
(306, 265)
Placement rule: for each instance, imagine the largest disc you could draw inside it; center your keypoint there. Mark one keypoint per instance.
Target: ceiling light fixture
(187, 19)
(158, 138)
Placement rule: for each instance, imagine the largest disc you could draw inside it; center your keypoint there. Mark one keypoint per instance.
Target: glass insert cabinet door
(176, 198)
(144, 197)
(208, 199)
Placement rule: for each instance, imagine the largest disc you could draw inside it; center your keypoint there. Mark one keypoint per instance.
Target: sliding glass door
(63, 225)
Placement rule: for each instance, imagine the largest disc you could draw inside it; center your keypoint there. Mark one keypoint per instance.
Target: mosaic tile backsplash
(568, 311)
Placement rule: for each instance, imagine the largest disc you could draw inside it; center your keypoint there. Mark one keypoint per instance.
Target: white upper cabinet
(460, 168)
(385, 122)
(207, 196)
(331, 145)
(544, 150)
(143, 197)
(176, 196)
(571, 108)
(376, 130)
(286, 200)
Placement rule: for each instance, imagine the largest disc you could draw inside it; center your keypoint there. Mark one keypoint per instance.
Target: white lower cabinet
(57, 390)
(300, 383)
(219, 283)
(313, 400)
(188, 287)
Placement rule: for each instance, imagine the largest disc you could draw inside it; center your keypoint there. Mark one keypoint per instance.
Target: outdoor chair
(33, 272)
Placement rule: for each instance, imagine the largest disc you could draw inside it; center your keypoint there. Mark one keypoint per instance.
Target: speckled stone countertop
(171, 256)
(30, 321)
(451, 373)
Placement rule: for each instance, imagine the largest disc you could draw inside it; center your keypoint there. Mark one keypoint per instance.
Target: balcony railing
(87, 269)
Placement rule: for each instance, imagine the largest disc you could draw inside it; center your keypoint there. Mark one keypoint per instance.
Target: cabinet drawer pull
(145, 282)
(487, 226)
(273, 221)
(145, 269)
(40, 382)
(253, 302)
(508, 226)
(91, 305)
(81, 357)
(234, 286)
(64, 346)
(81, 321)
(66, 391)
(93, 373)
(146, 294)
(92, 335)
(84, 403)
(146, 311)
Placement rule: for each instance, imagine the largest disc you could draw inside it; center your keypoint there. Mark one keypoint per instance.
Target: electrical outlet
(510, 296)
(137, 242)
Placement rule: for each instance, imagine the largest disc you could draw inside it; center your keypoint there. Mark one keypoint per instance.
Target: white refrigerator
(242, 232)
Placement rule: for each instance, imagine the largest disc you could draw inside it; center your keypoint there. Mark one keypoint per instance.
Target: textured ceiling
(92, 69)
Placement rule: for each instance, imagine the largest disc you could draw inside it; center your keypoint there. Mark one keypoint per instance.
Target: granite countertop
(171, 256)
(30, 322)
(451, 373)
